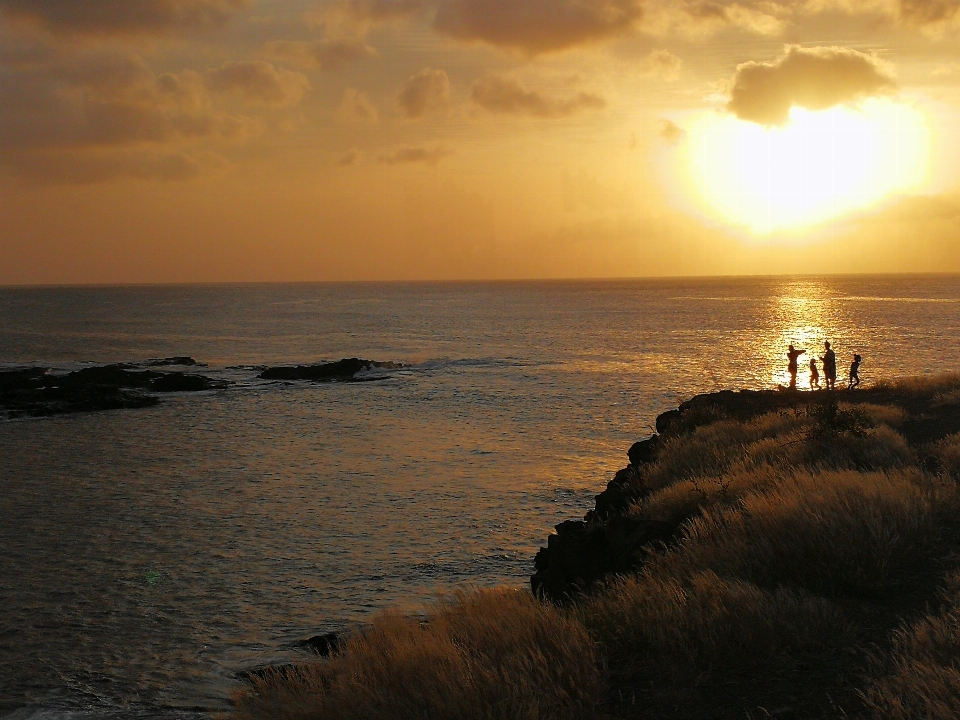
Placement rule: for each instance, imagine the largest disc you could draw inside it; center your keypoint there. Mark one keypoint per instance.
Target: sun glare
(819, 166)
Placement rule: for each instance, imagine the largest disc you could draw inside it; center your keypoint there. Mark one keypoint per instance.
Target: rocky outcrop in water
(345, 370)
(36, 392)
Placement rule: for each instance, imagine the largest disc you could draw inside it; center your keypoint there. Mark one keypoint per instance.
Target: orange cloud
(670, 132)
(259, 83)
(506, 96)
(415, 155)
(536, 26)
(122, 16)
(814, 78)
(355, 107)
(90, 116)
(661, 64)
(424, 92)
(329, 55)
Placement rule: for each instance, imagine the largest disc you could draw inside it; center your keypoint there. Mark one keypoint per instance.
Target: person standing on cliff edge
(829, 366)
(792, 356)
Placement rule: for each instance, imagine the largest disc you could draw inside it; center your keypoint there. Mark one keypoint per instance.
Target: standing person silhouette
(792, 356)
(814, 374)
(829, 366)
(854, 372)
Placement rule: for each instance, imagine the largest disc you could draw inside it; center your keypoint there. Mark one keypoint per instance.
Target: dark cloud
(813, 78)
(670, 132)
(328, 55)
(536, 26)
(415, 155)
(122, 16)
(929, 12)
(105, 114)
(380, 10)
(427, 91)
(259, 82)
(507, 96)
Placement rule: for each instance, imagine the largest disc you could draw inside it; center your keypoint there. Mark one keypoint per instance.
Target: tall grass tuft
(676, 628)
(491, 655)
(922, 674)
(832, 533)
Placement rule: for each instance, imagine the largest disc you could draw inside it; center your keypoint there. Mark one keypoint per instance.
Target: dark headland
(792, 555)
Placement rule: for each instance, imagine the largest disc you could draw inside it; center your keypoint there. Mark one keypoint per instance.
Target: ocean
(150, 555)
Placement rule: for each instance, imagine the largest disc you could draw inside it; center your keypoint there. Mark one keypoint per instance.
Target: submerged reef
(765, 554)
(37, 392)
(346, 370)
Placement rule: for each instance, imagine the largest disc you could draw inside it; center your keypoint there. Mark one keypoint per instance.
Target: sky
(155, 141)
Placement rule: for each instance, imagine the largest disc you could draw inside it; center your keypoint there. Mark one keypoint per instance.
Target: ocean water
(149, 555)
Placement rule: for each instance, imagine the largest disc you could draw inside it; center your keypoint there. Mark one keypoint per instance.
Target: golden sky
(269, 140)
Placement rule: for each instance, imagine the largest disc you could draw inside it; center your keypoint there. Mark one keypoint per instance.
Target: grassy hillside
(809, 568)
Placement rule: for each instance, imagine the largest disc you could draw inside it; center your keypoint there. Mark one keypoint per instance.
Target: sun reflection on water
(804, 315)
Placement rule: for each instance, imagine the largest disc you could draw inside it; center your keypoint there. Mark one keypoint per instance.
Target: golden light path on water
(803, 315)
(818, 167)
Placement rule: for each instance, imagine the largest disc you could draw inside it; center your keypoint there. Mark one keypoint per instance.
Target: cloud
(355, 107)
(329, 55)
(379, 10)
(424, 92)
(83, 116)
(415, 155)
(705, 17)
(122, 16)
(536, 26)
(259, 83)
(661, 64)
(814, 78)
(348, 158)
(929, 12)
(506, 96)
(670, 132)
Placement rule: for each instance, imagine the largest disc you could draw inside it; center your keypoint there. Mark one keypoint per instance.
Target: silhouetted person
(814, 374)
(829, 366)
(792, 356)
(854, 372)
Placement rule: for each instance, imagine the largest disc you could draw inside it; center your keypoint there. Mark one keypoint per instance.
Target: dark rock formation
(36, 392)
(323, 645)
(342, 370)
(183, 382)
(182, 360)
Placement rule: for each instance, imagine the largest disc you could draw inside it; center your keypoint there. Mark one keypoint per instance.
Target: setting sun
(817, 167)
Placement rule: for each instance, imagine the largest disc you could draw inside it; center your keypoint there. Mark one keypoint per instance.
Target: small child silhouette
(814, 374)
(854, 372)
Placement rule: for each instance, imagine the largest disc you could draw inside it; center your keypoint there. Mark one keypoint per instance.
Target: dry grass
(492, 655)
(832, 533)
(947, 452)
(928, 385)
(922, 674)
(677, 628)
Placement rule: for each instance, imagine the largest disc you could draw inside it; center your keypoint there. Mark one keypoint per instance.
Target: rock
(323, 645)
(35, 392)
(343, 370)
(184, 382)
(644, 451)
(183, 360)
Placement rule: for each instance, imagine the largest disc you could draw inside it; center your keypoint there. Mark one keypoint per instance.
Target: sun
(818, 167)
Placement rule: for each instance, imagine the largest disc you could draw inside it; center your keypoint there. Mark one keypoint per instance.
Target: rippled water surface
(148, 555)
